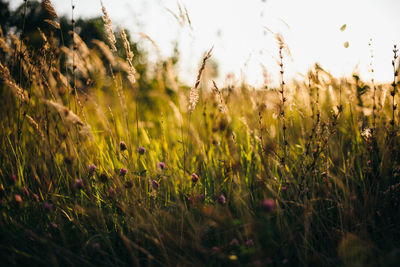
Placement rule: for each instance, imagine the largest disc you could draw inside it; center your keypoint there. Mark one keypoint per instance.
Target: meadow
(107, 161)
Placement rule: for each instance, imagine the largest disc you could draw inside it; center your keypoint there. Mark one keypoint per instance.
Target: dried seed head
(108, 28)
(129, 57)
(194, 91)
(46, 4)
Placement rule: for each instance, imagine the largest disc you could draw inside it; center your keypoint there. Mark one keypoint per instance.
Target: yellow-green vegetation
(107, 162)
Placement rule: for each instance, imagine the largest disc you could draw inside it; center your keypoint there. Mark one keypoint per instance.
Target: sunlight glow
(237, 29)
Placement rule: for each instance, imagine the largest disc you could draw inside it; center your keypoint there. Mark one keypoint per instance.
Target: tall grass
(74, 191)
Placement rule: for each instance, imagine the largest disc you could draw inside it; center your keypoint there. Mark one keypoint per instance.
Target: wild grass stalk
(285, 143)
(193, 99)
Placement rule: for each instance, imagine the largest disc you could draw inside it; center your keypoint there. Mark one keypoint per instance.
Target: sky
(242, 33)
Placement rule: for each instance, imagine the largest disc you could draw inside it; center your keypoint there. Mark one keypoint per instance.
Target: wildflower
(123, 171)
(18, 198)
(96, 246)
(92, 169)
(222, 199)
(48, 207)
(234, 243)
(216, 249)
(283, 188)
(53, 225)
(250, 243)
(369, 162)
(141, 150)
(154, 184)
(161, 165)
(191, 200)
(195, 179)
(268, 204)
(285, 261)
(202, 197)
(122, 146)
(112, 193)
(35, 197)
(78, 184)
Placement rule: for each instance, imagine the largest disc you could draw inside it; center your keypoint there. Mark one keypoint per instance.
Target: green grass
(336, 195)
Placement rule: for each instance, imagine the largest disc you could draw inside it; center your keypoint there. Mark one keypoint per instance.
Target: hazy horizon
(242, 43)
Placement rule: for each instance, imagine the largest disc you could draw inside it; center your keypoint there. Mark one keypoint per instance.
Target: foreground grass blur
(107, 162)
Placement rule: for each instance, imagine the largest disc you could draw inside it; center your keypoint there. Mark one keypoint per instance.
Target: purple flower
(96, 246)
(190, 199)
(195, 178)
(112, 193)
(92, 169)
(283, 188)
(154, 184)
(35, 197)
(123, 171)
(122, 146)
(161, 165)
(53, 225)
(268, 204)
(141, 150)
(18, 198)
(250, 243)
(234, 243)
(285, 261)
(202, 197)
(48, 207)
(222, 199)
(78, 184)
(216, 249)
(369, 162)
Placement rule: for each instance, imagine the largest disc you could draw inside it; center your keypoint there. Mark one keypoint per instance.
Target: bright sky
(236, 28)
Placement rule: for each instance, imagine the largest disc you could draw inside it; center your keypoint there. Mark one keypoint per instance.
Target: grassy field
(105, 161)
